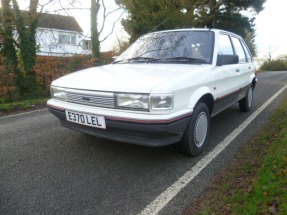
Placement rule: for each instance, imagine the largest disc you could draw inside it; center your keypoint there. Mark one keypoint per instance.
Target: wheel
(195, 138)
(246, 102)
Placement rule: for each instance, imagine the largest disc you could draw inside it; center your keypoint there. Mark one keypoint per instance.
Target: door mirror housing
(114, 57)
(227, 59)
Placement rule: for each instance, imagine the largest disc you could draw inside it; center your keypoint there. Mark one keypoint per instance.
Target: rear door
(245, 66)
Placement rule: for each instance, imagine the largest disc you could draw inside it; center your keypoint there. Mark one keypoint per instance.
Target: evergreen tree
(146, 15)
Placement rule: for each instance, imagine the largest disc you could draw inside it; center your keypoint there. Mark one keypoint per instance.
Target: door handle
(237, 70)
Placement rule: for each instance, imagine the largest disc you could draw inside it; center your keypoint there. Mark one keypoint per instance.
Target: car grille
(106, 101)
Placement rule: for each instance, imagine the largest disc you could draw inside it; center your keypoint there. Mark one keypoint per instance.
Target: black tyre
(195, 138)
(246, 102)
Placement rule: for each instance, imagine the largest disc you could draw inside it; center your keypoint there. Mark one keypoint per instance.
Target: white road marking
(24, 113)
(163, 199)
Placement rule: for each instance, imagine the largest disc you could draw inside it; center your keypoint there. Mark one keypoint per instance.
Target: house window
(67, 39)
(87, 45)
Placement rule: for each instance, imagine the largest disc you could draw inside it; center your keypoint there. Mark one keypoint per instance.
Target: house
(59, 35)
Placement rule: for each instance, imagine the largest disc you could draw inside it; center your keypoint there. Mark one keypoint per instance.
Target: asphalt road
(48, 169)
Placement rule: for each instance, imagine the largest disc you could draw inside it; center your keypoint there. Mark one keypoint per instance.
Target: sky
(269, 24)
(271, 29)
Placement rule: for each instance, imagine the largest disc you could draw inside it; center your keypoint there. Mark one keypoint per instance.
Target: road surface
(48, 169)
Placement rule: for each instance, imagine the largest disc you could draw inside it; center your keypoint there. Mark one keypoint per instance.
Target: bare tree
(98, 11)
(96, 31)
(269, 54)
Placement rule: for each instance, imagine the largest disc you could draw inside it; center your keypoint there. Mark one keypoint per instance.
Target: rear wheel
(246, 102)
(195, 138)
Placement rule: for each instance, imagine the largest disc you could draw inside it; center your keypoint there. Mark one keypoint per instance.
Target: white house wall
(48, 43)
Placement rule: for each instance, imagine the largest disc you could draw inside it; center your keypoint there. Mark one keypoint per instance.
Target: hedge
(47, 69)
(275, 65)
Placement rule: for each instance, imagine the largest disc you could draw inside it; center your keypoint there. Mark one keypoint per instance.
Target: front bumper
(154, 134)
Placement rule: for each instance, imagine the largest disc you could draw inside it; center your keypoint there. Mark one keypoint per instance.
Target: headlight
(58, 93)
(161, 102)
(132, 101)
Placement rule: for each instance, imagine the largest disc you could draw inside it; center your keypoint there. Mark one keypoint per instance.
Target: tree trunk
(27, 45)
(95, 7)
(20, 61)
(9, 50)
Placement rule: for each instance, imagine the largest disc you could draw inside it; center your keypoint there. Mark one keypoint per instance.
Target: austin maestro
(162, 90)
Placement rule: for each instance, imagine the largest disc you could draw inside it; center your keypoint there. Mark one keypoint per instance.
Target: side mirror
(115, 57)
(227, 59)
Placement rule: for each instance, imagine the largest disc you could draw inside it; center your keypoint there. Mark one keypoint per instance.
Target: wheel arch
(202, 95)
(253, 80)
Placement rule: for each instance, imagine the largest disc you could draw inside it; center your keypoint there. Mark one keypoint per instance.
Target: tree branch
(71, 8)
(112, 28)
(104, 17)
(63, 8)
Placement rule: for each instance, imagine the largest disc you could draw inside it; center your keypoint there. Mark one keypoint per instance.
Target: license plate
(86, 119)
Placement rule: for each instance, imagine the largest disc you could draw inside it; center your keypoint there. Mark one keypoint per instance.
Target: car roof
(198, 29)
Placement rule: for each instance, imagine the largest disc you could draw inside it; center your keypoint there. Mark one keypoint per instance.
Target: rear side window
(247, 52)
(225, 47)
(239, 49)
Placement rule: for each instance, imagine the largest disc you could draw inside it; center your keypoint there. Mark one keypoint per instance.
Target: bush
(275, 65)
(47, 69)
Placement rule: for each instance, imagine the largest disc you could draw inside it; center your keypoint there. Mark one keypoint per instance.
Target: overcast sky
(270, 26)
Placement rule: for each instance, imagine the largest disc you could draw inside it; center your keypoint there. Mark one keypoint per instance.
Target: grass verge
(18, 106)
(256, 180)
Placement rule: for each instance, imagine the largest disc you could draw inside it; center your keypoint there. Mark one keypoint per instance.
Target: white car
(162, 90)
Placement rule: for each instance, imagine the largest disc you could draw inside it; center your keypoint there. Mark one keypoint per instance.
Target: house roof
(68, 23)
(54, 21)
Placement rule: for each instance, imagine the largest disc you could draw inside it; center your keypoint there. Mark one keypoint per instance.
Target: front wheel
(246, 102)
(195, 138)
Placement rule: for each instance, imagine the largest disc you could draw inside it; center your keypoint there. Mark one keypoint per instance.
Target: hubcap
(200, 129)
(250, 97)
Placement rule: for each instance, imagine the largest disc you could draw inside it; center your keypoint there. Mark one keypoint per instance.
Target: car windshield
(171, 47)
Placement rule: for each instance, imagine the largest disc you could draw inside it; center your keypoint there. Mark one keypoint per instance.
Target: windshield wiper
(150, 59)
(137, 59)
(185, 59)
(143, 59)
